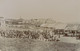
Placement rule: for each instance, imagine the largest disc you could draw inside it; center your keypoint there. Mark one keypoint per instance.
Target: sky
(67, 11)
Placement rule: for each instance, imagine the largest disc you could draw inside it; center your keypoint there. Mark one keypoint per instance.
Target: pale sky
(59, 10)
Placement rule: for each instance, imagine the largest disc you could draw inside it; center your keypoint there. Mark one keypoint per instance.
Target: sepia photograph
(39, 25)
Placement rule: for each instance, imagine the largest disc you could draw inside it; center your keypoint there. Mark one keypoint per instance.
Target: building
(2, 23)
(60, 28)
(16, 23)
(72, 30)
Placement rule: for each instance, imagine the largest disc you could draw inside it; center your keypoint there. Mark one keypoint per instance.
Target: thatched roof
(72, 27)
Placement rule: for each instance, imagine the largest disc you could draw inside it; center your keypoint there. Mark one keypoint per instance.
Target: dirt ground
(16, 44)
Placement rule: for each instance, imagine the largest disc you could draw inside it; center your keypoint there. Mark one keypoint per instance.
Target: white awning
(60, 26)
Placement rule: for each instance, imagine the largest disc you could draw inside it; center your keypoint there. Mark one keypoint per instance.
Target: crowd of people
(44, 35)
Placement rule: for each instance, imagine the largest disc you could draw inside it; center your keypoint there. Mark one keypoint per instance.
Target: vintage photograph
(39, 25)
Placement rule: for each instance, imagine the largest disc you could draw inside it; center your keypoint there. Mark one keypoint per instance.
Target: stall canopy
(60, 26)
(56, 26)
(48, 25)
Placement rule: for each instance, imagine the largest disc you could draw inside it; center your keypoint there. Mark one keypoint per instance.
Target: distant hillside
(47, 21)
(38, 22)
